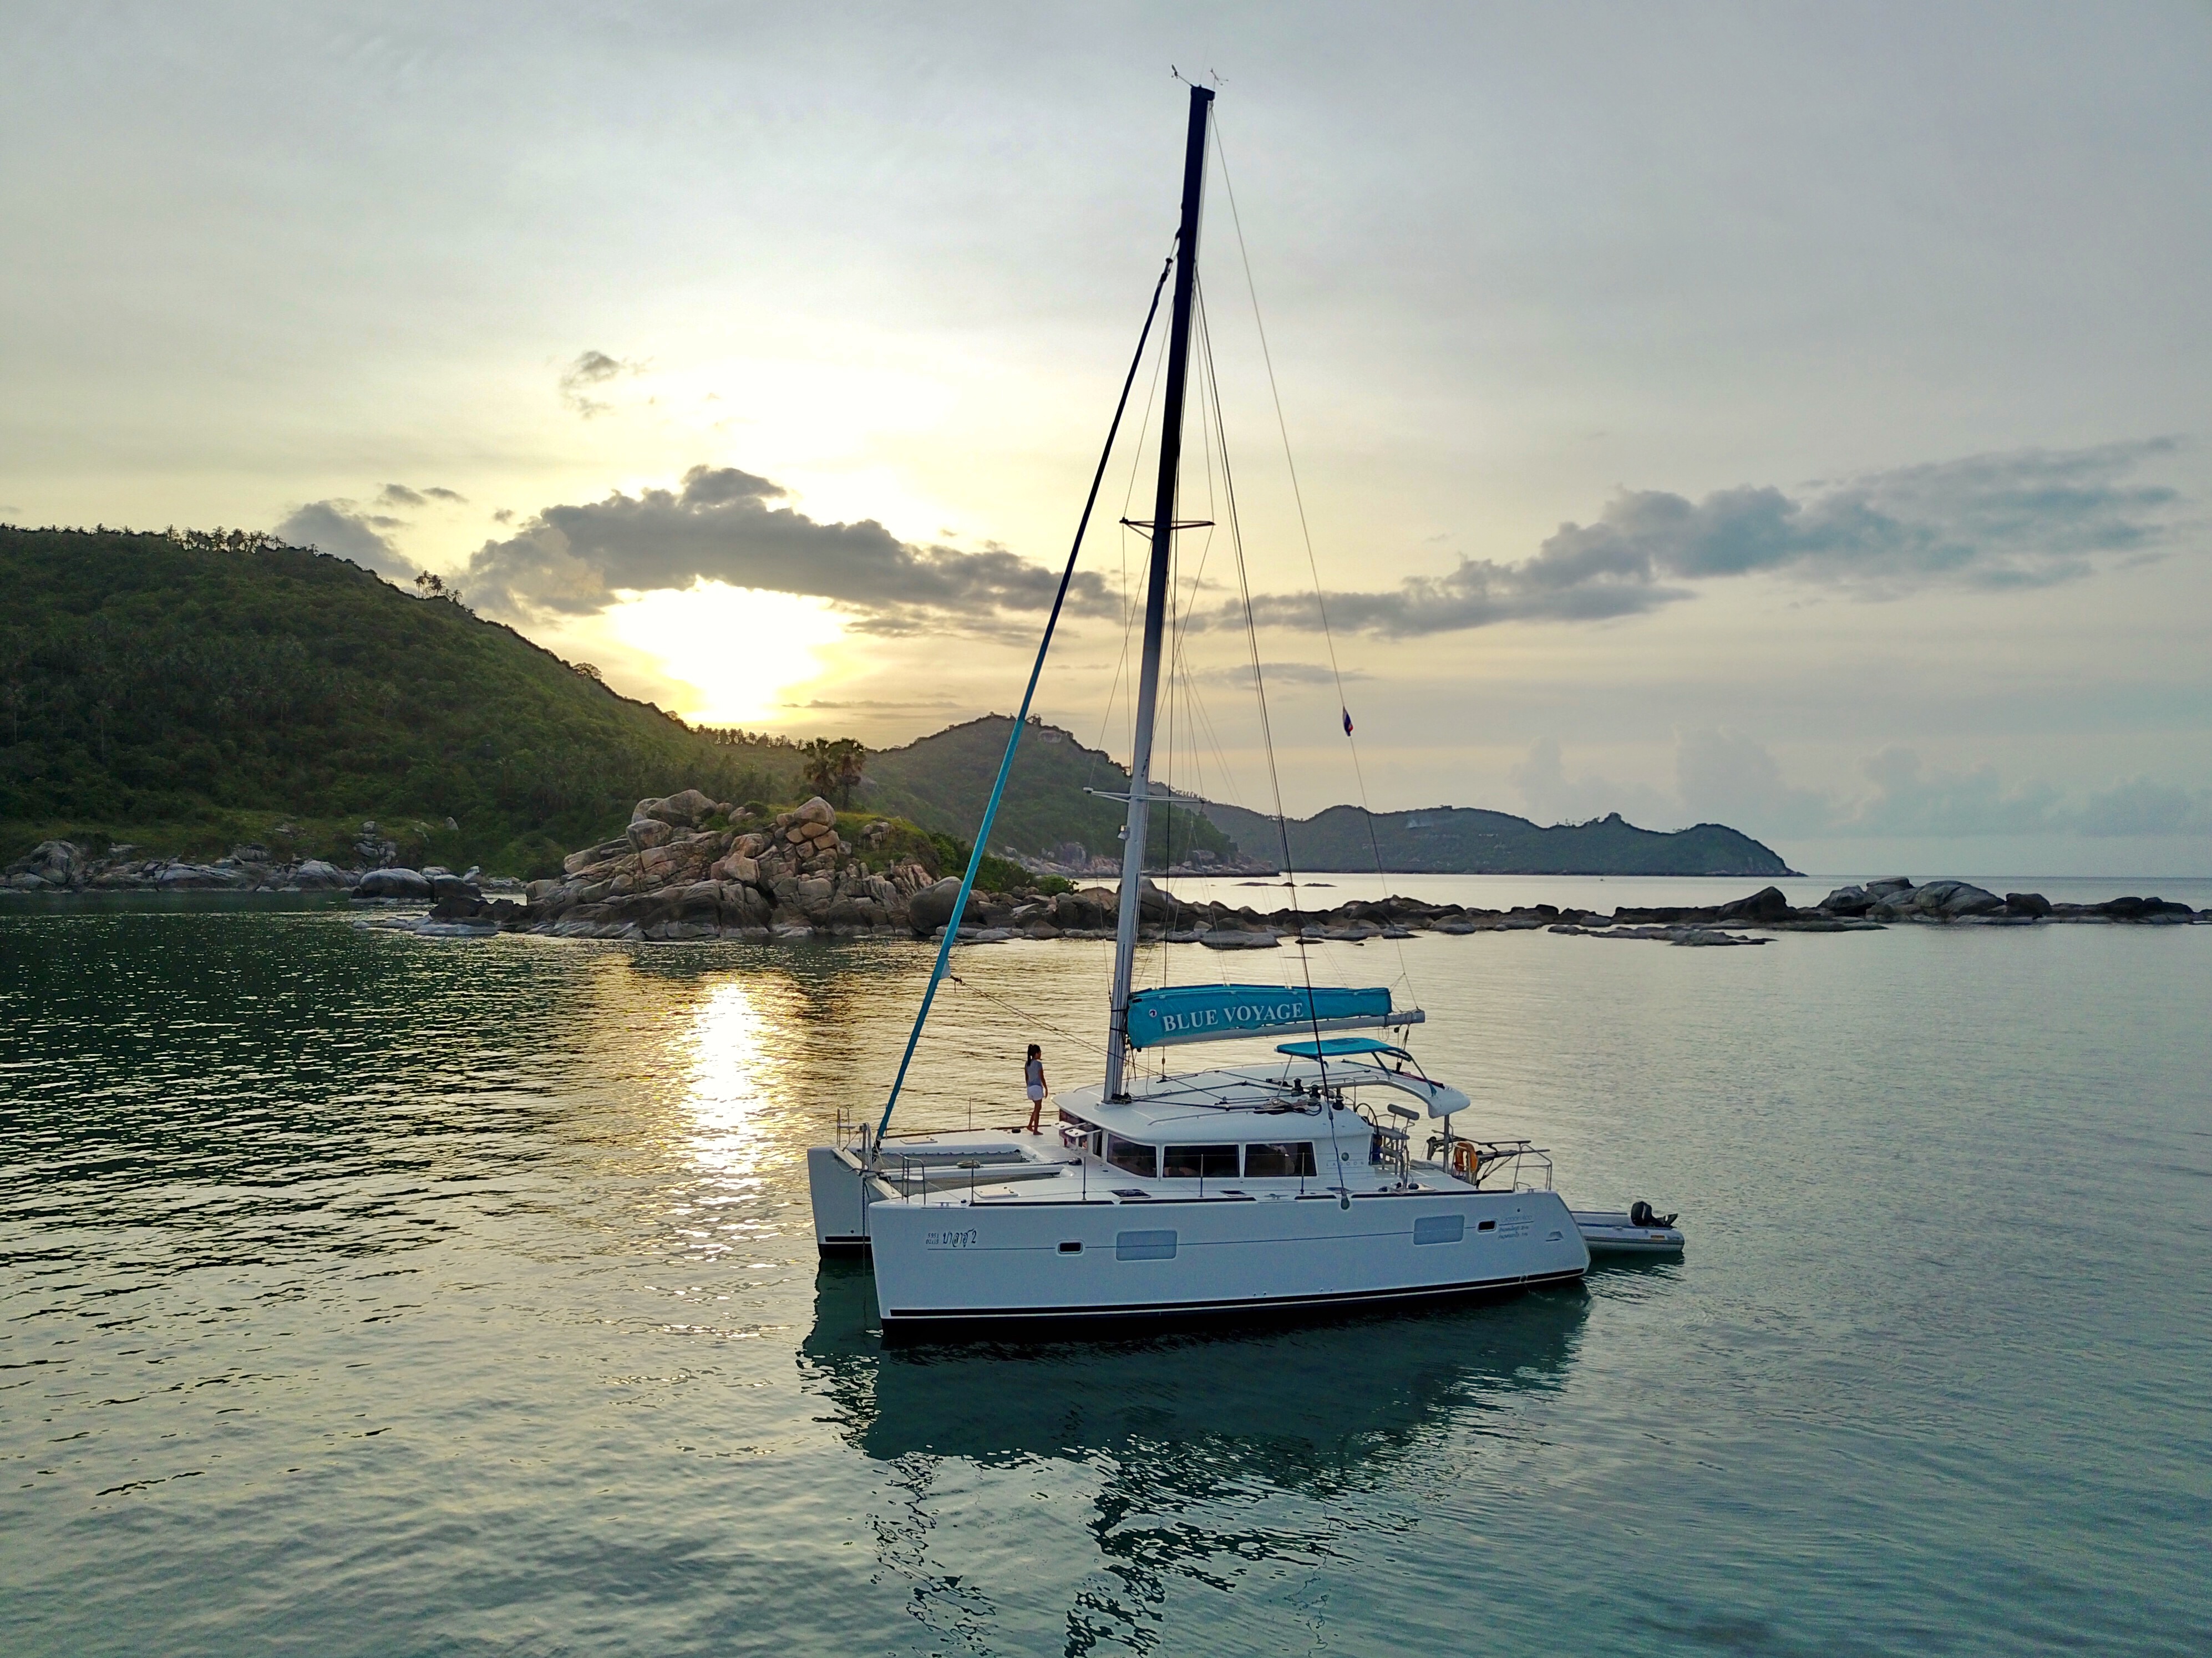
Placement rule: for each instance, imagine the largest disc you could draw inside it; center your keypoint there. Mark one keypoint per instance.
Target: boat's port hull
(841, 1192)
(1007, 1266)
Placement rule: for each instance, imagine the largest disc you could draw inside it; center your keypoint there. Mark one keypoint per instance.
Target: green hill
(941, 782)
(1464, 840)
(182, 691)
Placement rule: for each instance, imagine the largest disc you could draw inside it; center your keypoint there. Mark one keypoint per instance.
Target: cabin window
(1144, 1246)
(1279, 1161)
(1197, 1161)
(1133, 1156)
(1439, 1228)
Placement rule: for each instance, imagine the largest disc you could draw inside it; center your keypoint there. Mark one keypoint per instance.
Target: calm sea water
(370, 1295)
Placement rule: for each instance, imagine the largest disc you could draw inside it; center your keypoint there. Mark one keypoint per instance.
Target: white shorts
(1036, 1095)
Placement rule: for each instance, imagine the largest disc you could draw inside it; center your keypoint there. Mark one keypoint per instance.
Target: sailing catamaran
(1198, 1197)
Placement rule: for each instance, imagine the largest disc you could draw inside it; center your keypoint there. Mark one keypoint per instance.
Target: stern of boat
(838, 1182)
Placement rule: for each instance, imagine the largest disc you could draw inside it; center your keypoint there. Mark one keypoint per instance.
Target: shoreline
(675, 875)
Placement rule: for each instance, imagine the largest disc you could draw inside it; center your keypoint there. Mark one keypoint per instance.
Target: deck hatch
(1144, 1246)
(1440, 1229)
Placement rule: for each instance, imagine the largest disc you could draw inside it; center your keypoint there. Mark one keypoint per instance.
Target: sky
(1792, 416)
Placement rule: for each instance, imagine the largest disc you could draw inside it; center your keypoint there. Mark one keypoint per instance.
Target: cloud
(1238, 675)
(1553, 797)
(2143, 807)
(339, 527)
(2030, 518)
(720, 527)
(592, 369)
(1725, 777)
(398, 494)
(1910, 800)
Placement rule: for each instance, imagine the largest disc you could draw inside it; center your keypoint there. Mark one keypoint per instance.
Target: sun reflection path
(736, 1088)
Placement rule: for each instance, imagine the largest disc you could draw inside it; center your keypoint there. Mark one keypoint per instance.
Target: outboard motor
(1639, 1214)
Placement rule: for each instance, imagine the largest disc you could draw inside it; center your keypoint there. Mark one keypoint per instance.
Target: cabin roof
(1216, 1108)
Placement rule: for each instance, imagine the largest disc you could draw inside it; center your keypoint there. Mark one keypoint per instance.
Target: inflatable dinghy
(1638, 1232)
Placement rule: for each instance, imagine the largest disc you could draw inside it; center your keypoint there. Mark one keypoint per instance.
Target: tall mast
(1155, 589)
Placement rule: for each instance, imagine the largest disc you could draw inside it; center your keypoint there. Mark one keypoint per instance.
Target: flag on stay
(1347, 722)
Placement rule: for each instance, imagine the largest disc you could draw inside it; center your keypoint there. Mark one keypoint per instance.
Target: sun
(741, 649)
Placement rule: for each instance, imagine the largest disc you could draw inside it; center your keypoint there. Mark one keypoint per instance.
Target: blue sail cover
(1203, 1013)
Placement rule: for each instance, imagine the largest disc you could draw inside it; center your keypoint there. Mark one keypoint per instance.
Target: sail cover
(1205, 1013)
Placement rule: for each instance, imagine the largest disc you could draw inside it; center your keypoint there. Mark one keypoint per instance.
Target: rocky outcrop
(57, 866)
(668, 879)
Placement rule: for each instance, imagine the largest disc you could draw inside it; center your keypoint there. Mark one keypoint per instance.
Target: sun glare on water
(741, 648)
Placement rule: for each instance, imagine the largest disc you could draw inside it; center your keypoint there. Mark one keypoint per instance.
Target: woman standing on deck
(1033, 1076)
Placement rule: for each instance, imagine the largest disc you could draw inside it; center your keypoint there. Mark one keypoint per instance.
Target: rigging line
(1029, 694)
(1028, 1016)
(1305, 531)
(1212, 386)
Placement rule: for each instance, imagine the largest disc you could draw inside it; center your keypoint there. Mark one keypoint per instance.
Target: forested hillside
(180, 690)
(941, 782)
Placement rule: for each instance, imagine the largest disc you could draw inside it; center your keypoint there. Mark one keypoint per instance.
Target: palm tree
(818, 764)
(851, 762)
(833, 768)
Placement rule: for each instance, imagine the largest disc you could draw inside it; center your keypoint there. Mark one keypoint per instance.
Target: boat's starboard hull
(1046, 1268)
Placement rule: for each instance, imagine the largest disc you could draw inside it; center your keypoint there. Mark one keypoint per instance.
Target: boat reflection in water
(1200, 1466)
(1285, 1406)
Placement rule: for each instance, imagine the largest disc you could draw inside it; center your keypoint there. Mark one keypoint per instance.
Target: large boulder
(645, 833)
(2032, 904)
(683, 810)
(737, 867)
(744, 905)
(1088, 910)
(315, 874)
(392, 884)
(1767, 904)
(189, 877)
(1951, 899)
(1848, 901)
(932, 907)
(605, 853)
(816, 810)
(52, 864)
(2142, 909)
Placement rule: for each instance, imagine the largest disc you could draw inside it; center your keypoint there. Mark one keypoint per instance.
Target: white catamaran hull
(1005, 1264)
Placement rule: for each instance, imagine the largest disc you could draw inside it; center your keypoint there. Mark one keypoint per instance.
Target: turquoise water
(366, 1294)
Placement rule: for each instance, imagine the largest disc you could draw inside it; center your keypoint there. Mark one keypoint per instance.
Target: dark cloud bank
(2025, 519)
(720, 527)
